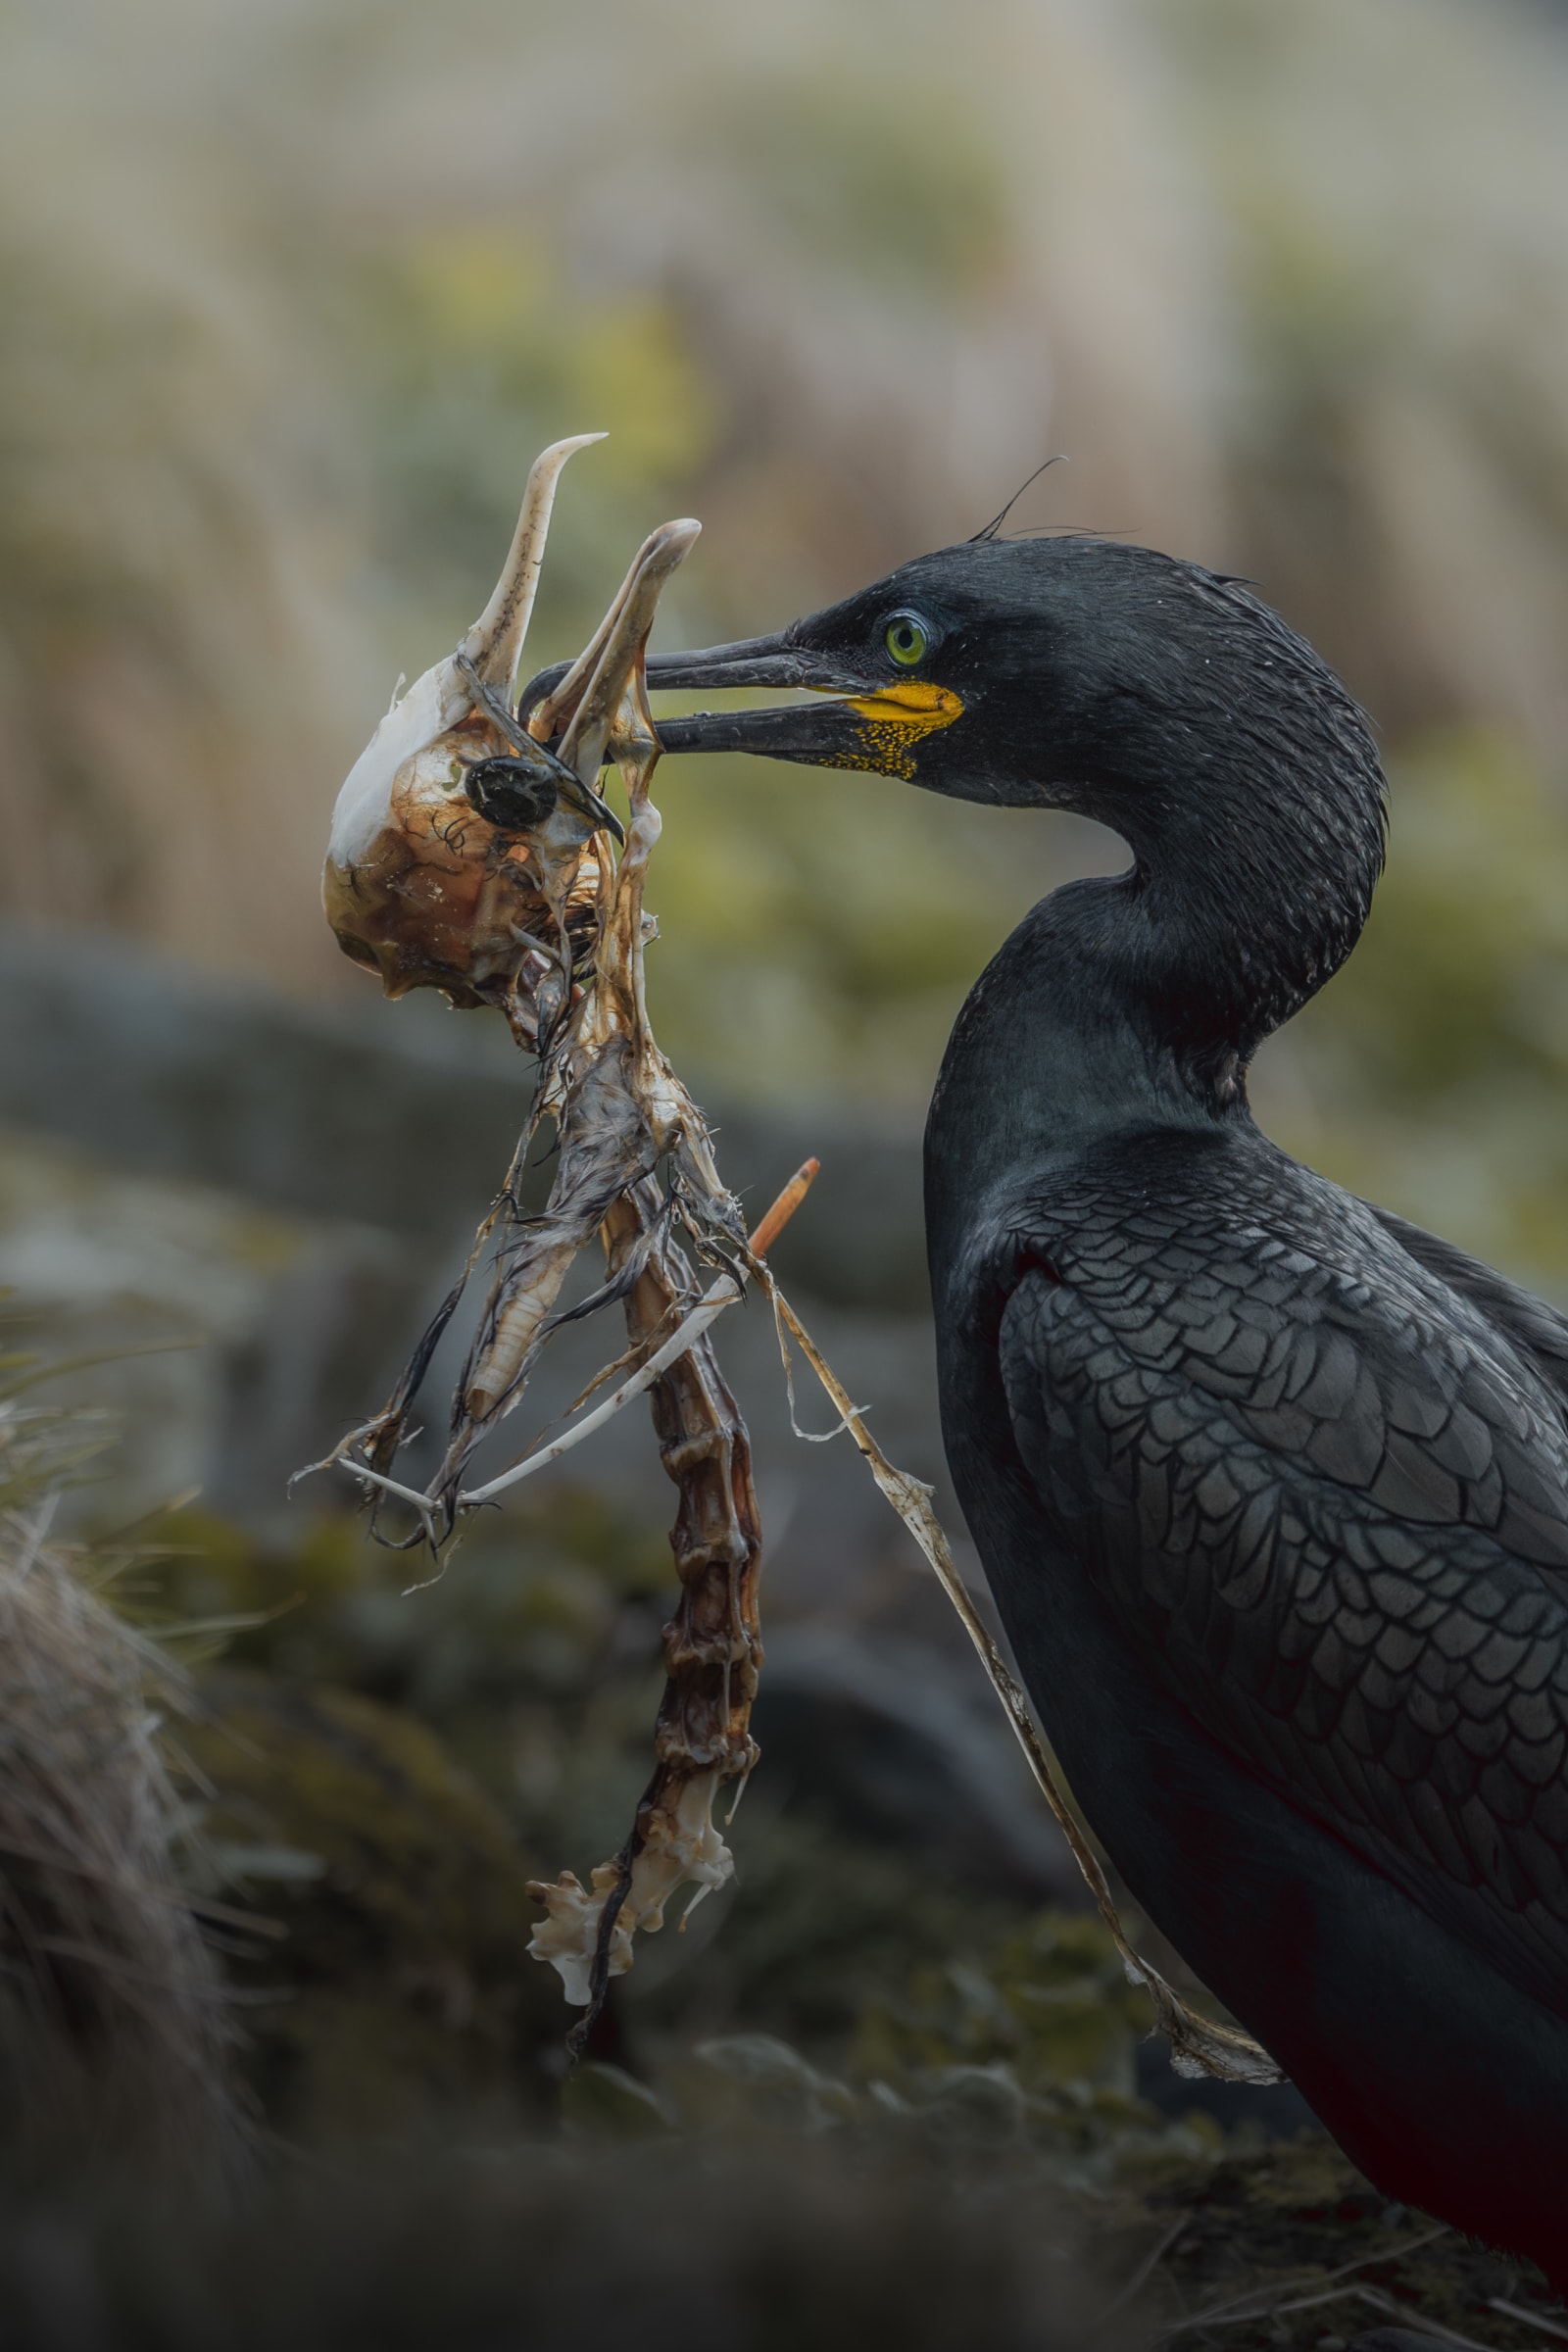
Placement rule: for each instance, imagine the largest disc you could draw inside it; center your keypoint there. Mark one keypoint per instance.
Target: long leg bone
(712, 1649)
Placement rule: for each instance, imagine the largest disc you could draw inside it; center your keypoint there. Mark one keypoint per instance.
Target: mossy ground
(382, 1784)
(1291, 2234)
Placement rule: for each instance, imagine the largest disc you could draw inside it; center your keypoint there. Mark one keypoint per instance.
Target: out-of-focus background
(292, 294)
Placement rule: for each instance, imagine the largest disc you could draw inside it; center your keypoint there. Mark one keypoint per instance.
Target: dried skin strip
(607, 1145)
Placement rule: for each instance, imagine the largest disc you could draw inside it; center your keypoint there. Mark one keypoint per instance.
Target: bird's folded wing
(1335, 1521)
(1529, 1325)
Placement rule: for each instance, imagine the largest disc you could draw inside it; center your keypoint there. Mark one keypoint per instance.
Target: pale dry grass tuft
(112, 2036)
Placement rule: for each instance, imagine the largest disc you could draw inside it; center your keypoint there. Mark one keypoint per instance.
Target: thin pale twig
(1378, 2301)
(1258, 2302)
(1145, 2272)
(1530, 2319)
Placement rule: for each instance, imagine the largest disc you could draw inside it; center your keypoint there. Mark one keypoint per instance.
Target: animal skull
(420, 885)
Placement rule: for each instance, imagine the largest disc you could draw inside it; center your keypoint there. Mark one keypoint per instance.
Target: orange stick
(784, 1207)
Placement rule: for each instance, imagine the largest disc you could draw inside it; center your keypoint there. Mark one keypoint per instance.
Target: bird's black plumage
(1271, 1487)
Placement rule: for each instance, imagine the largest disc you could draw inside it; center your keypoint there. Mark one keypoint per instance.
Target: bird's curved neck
(1118, 1005)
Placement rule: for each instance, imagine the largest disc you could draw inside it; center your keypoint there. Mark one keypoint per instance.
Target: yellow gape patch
(895, 720)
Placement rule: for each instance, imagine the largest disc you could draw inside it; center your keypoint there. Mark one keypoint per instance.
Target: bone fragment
(545, 924)
(681, 1848)
(712, 1647)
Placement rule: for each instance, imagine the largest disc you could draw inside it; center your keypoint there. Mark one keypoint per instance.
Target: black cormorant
(1270, 1487)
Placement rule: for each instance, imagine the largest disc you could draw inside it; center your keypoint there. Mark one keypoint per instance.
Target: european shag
(1271, 1487)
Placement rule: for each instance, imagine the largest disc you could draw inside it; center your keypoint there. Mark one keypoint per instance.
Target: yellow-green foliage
(879, 907)
(1278, 280)
(1479, 853)
(891, 179)
(1032, 2050)
(465, 346)
(1054, 2004)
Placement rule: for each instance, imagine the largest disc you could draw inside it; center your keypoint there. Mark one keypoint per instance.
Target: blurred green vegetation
(1432, 1073)
(1280, 282)
(450, 341)
(384, 1771)
(887, 178)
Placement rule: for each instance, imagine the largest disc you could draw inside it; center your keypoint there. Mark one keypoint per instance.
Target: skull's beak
(599, 699)
(494, 642)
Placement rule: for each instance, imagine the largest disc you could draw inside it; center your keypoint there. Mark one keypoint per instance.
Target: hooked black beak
(869, 723)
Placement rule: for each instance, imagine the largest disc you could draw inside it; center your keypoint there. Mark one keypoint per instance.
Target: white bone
(495, 641)
(625, 634)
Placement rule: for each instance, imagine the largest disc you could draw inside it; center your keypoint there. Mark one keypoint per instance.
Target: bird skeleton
(467, 855)
(472, 853)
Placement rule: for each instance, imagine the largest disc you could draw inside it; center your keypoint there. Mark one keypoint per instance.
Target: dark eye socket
(907, 638)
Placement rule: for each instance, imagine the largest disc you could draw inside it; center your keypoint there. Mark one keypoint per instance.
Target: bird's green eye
(905, 640)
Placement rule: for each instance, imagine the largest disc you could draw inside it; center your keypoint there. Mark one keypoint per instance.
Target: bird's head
(1067, 672)
(1166, 702)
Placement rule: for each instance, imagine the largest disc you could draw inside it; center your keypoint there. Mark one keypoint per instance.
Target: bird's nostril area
(509, 794)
